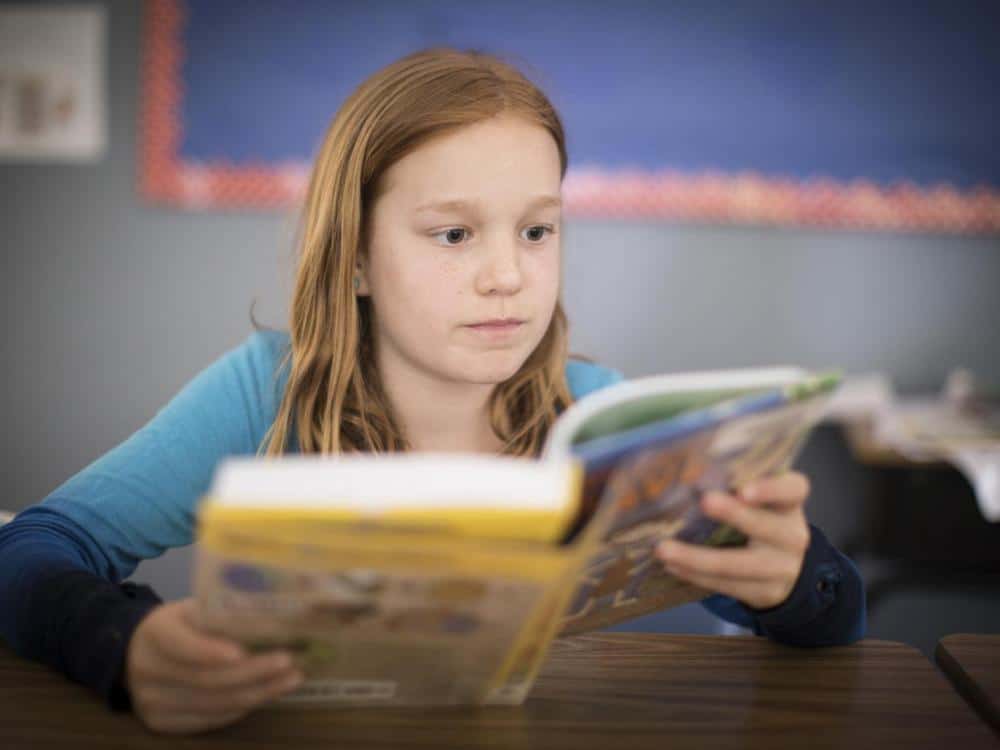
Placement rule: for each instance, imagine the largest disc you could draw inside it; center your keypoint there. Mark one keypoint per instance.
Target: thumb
(183, 639)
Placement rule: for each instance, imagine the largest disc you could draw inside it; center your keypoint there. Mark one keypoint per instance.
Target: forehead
(504, 158)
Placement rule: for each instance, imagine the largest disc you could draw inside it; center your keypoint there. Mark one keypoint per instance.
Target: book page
(636, 402)
(653, 494)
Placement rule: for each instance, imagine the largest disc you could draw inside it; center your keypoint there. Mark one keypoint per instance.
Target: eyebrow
(542, 201)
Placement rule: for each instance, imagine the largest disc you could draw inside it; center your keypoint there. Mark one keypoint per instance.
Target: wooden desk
(972, 662)
(609, 691)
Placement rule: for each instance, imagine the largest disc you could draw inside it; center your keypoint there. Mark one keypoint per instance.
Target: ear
(360, 281)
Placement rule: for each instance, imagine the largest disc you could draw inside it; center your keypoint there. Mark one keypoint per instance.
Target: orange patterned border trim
(714, 197)
(755, 199)
(159, 112)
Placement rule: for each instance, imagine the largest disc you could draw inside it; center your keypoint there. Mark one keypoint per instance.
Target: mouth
(497, 330)
(497, 324)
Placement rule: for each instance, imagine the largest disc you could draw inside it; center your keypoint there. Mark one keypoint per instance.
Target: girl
(426, 316)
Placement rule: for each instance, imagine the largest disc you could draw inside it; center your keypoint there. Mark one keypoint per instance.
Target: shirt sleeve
(826, 606)
(584, 378)
(140, 498)
(62, 561)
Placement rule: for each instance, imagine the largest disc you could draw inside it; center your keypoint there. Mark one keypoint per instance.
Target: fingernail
(749, 492)
(665, 549)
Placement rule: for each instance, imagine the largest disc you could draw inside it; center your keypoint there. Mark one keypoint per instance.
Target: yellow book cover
(415, 579)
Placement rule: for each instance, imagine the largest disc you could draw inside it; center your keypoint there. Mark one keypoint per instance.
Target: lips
(497, 330)
(497, 323)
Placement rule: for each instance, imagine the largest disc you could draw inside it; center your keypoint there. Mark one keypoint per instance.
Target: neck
(440, 416)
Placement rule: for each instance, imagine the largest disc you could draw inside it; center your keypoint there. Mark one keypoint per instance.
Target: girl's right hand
(182, 679)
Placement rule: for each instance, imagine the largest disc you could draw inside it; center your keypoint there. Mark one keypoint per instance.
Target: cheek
(546, 271)
(421, 287)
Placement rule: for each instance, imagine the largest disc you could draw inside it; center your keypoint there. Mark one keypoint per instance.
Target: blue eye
(453, 236)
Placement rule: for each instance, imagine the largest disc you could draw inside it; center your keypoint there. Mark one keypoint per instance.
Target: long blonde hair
(333, 401)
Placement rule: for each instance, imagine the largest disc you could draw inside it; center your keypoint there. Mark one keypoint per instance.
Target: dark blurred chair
(920, 523)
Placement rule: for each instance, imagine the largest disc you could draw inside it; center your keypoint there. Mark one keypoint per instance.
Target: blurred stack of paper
(960, 427)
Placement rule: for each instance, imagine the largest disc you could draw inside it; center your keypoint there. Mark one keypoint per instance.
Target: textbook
(436, 579)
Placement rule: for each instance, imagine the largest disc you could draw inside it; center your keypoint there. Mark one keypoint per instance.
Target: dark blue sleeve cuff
(80, 624)
(825, 608)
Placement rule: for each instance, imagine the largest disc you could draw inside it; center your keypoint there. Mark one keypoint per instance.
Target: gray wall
(112, 305)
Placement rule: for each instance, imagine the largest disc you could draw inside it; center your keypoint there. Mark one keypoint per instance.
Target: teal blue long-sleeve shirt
(62, 560)
(140, 498)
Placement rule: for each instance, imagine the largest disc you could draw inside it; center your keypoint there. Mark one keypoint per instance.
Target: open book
(442, 578)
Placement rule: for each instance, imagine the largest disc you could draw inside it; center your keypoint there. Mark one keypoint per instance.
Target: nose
(500, 272)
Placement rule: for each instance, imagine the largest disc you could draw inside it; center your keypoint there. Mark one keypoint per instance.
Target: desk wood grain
(609, 691)
(972, 663)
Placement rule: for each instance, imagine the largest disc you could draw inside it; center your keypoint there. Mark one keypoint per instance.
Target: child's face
(434, 271)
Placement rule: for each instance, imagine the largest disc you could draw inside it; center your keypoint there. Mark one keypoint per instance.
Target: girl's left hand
(763, 573)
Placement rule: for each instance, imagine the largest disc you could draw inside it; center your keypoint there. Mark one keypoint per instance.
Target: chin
(494, 370)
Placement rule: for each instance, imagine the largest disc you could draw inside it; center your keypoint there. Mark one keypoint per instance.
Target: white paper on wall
(52, 91)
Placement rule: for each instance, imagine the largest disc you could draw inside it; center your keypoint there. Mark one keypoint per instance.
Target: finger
(743, 564)
(251, 670)
(790, 488)
(758, 594)
(187, 644)
(785, 529)
(184, 699)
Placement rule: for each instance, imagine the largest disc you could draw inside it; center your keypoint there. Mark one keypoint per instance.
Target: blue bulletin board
(851, 114)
